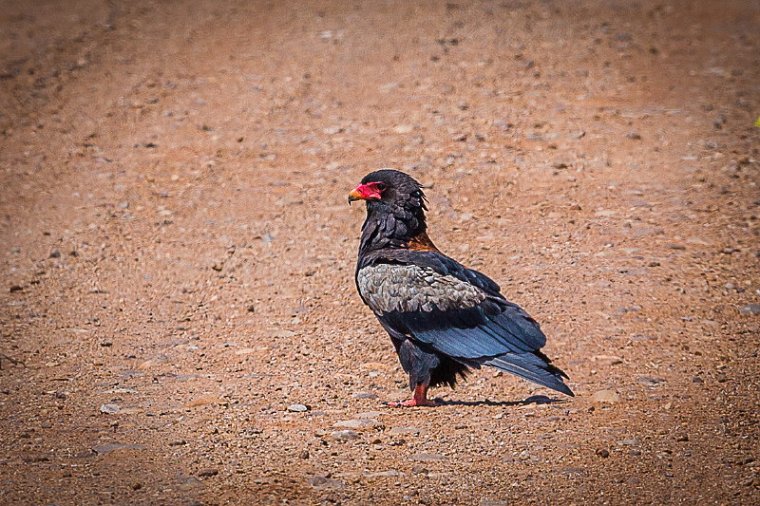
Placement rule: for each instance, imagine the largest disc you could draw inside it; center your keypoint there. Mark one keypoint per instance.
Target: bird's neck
(395, 229)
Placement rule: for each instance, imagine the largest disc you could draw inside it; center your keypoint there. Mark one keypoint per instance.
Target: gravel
(162, 139)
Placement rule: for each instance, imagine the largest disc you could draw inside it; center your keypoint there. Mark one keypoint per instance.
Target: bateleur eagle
(443, 318)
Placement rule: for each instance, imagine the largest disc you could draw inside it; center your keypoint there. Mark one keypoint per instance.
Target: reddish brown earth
(177, 253)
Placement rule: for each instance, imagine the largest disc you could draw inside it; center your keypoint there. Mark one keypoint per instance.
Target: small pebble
(606, 396)
(427, 457)
(399, 431)
(650, 381)
(358, 423)
(207, 473)
(364, 395)
(345, 435)
(110, 409)
(750, 309)
(324, 482)
(392, 473)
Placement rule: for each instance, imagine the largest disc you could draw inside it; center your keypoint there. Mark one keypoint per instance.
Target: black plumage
(443, 318)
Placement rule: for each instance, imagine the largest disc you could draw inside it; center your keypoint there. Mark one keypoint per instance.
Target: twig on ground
(10, 359)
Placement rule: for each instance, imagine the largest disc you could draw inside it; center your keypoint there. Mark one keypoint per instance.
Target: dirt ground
(177, 252)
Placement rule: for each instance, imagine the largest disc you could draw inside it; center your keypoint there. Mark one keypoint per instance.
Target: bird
(443, 319)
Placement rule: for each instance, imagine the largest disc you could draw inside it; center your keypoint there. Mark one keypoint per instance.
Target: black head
(390, 189)
(395, 209)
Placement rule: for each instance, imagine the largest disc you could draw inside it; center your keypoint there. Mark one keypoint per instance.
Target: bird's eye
(380, 186)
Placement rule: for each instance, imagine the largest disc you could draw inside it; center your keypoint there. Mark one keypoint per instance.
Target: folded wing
(458, 312)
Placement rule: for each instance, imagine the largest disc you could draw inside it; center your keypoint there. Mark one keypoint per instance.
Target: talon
(420, 399)
(412, 403)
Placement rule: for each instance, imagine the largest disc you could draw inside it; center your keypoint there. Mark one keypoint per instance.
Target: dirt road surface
(177, 254)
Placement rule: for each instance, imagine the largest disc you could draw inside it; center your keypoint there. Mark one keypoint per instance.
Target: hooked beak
(369, 191)
(354, 195)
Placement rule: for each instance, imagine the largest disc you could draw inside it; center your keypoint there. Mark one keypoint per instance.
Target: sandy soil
(177, 254)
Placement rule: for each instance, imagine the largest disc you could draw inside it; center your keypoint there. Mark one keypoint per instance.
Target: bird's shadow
(533, 399)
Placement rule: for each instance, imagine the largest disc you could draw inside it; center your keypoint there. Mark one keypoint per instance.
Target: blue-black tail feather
(532, 367)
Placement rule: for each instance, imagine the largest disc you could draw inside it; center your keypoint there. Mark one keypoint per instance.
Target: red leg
(419, 399)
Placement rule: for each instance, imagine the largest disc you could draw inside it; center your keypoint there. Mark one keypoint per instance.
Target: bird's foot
(419, 399)
(413, 402)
